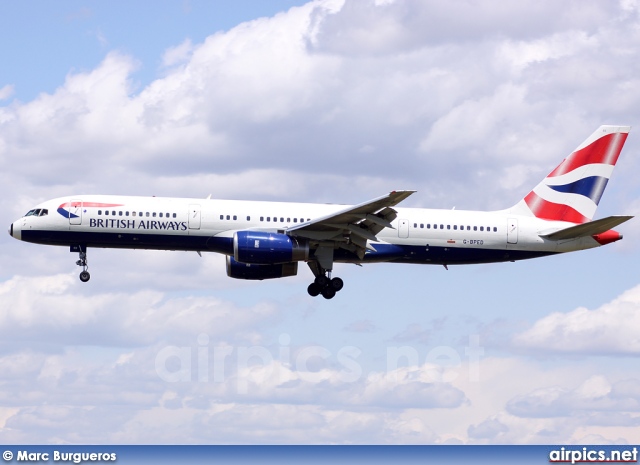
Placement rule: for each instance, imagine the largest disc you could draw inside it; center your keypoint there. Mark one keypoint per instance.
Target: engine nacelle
(253, 271)
(265, 248)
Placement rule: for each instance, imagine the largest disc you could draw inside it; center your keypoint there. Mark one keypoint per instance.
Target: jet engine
(266, 248)
(260, 272)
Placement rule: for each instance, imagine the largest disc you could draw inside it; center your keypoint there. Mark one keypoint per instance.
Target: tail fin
(572, 191)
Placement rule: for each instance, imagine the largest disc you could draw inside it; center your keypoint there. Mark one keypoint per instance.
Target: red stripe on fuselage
(90, 204)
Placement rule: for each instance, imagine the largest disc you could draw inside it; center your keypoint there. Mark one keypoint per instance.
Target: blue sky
(328, 101)
(45, 41)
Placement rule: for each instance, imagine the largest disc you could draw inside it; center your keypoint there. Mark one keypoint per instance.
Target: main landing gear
(323, 284)
(321, 266)
(84, 274)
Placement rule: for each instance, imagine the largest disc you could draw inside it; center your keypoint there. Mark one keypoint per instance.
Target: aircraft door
(512, 231)
(403, 228)
(75, 212)
(195, 218)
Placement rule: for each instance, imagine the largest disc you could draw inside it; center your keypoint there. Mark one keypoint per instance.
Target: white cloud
(609, 329)
(6, 92)
(596, 398)
(178, 54)
(329, 102)
(59, 310)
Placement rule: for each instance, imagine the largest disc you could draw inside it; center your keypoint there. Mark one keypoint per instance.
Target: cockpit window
(38, 212)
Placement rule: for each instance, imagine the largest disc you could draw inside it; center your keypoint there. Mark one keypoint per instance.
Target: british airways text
(142, 224)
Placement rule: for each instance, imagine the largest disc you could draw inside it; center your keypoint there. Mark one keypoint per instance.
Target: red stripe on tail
(605, 150)
(546, 210)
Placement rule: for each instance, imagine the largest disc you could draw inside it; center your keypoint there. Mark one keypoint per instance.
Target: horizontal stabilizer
(587, 229)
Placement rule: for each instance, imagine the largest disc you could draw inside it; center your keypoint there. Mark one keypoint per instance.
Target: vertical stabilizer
(572, 191)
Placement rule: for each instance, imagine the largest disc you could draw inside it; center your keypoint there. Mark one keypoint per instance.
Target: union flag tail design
(572, 191)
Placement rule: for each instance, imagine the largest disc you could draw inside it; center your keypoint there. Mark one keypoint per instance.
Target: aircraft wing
(587, 229)
(352, 227)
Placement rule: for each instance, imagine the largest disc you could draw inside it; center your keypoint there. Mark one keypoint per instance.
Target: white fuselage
(420, 235)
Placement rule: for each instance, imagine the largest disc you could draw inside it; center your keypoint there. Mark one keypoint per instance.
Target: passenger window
(442, 226)
(235, 217)
(147, 214)
(448, 226)
(455, 227)
(126, 213)
(174, 215)
(495, 229)
(268, 218)
(133, 213)
(468, 228)
(222, 217)
(288, 220)
(154, 214)
(481, 228)
(248, 218)
(475, 228)
(421, 225)
(281, 220)
(160, 214)
(106, 212)
(428, 225)
(113, 213)
(295, 220)
(262, 218)
(120, 213)
(99, 212)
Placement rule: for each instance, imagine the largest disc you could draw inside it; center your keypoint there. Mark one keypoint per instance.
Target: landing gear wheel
(336, 284)
(321, 281)
(314, 290)
(328, 292)
(85, 276)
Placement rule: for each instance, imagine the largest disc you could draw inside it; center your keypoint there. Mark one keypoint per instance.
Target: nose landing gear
(84, 274)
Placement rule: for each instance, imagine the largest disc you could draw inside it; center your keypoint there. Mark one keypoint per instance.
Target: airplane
(267, 240)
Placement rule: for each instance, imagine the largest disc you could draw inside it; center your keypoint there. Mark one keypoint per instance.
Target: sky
(469, 103)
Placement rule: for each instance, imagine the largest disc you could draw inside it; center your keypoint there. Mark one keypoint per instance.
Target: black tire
(314, 290)
(328, 293)
(85, 276)
(337, 284)
(321, 281)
